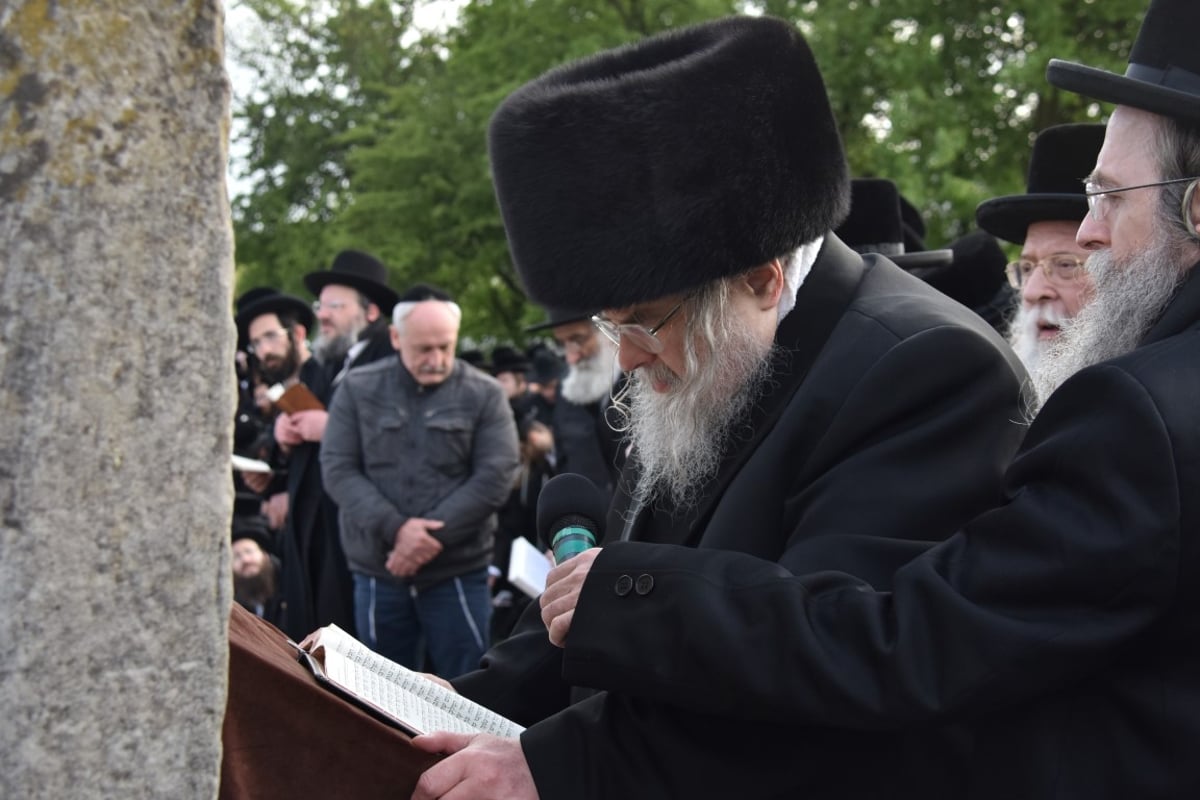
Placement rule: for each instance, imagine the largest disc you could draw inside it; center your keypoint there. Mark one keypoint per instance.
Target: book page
(419, 703)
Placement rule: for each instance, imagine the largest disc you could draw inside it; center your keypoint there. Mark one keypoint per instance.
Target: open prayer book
(396, 694)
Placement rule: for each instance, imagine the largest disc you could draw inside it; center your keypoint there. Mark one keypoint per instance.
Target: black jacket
(885, 389)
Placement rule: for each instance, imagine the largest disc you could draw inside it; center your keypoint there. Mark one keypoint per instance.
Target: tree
(365, 135)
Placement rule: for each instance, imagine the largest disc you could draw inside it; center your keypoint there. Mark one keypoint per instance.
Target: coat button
(644, 584)
(624, 585)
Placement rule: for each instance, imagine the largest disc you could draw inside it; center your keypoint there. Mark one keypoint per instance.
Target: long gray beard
(680, 436)
(333, 349)
(1128, 299)
(591, 379)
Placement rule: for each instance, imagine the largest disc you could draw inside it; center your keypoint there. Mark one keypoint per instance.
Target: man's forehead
(267, 320)
(336, 291)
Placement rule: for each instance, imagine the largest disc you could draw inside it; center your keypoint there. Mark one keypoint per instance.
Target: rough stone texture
(116, 395)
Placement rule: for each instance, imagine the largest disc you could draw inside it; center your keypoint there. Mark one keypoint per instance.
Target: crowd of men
(859, 545)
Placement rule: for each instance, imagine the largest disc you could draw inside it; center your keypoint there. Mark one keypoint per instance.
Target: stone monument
(116, 397)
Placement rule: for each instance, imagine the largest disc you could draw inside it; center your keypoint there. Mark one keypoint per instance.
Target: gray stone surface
(116, 397)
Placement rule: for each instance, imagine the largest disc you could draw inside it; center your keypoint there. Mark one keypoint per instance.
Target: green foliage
(362, 137)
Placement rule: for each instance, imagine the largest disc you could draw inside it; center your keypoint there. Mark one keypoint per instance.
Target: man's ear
(395, 335)
(373, 312)
(766, 283)
(1191, 208)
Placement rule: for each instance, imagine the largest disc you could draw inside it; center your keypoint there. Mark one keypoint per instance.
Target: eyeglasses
(332, 305)
(645, 338)
(1097, 197)
(1061, 268)
(270, 337)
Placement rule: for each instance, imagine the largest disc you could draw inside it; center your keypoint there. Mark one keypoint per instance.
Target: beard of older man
(332, 349)
(680, 436)
(1128, 298)
(590, 379)
(1025, 332)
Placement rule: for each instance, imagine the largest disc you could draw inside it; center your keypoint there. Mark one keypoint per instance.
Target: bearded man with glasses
(1061, 626)
(789, 404)
(1049, 274)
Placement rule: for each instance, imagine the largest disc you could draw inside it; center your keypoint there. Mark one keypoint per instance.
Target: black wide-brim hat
(658, 167)
(560, 316)
(1163, 76)
(1063, 155)
(877, 224)
(361, 272)
(262, 300)
(509, 359)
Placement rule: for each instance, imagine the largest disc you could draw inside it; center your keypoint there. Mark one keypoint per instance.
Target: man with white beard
(1060, 626)
(790, 404)
(584, 440)
(1049, 274)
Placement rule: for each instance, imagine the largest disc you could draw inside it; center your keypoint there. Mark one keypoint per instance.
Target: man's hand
(310, 424)
(276, 509)
(257, 482)
(287, 432)
(563, 585)
(414, 547)
(479, 767)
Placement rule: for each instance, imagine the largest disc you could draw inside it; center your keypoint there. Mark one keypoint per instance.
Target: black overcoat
(893, 413)
(1061, 627)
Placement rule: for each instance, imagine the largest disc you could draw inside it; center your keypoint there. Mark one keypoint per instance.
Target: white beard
(1129, 297)
(1023, 333)
(679, 436)
(591, 379)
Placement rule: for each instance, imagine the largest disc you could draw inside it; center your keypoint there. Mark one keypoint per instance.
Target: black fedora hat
(263, 300)
(559, 316)
(1163, 76)
(876, 225)
(1063, 156)
(361, 272)
(509, 359)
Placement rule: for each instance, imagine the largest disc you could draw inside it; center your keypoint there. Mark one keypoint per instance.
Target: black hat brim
(554, 323)
(1009, 217)
(272, 304)
(922, 258)
(377, 293)
(1122, 90)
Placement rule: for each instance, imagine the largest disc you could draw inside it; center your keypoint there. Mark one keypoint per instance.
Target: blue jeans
(448, 621)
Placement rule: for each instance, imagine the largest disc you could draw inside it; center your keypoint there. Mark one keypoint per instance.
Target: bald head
(425, 335)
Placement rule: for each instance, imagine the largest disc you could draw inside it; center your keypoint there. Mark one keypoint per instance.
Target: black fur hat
(1063, 155)
(664, 165)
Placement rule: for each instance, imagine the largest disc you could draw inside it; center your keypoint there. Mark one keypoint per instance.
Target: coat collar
(1181, 313)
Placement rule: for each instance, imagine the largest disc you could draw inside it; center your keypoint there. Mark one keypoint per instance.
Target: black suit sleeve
(1034, 594)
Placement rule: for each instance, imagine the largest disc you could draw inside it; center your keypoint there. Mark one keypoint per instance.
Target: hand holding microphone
(568, 509)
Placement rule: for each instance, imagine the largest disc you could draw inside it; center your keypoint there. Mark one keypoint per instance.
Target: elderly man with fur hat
(792, 406)
(1060, 626)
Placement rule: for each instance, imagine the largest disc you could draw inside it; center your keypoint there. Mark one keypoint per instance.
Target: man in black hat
(421, 451)
(1060, 626)
(791, 406)
(1049, 274)
(353, 305)
(584, 440)
(256, 568)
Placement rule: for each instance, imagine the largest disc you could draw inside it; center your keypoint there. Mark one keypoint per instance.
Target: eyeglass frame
(271, 336)
(650, 343)
(1017, 279)
(1095, 195)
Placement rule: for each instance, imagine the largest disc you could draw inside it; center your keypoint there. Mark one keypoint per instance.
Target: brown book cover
(298, 398)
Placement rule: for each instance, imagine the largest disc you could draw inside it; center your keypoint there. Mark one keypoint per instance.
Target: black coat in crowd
(884, 389)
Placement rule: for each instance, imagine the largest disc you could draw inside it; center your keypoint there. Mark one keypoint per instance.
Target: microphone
(567, 513)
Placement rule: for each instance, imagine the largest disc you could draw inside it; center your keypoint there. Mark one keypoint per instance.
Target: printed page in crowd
(417, 702)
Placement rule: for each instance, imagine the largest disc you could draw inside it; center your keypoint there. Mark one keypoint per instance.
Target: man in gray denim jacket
(419, 453)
